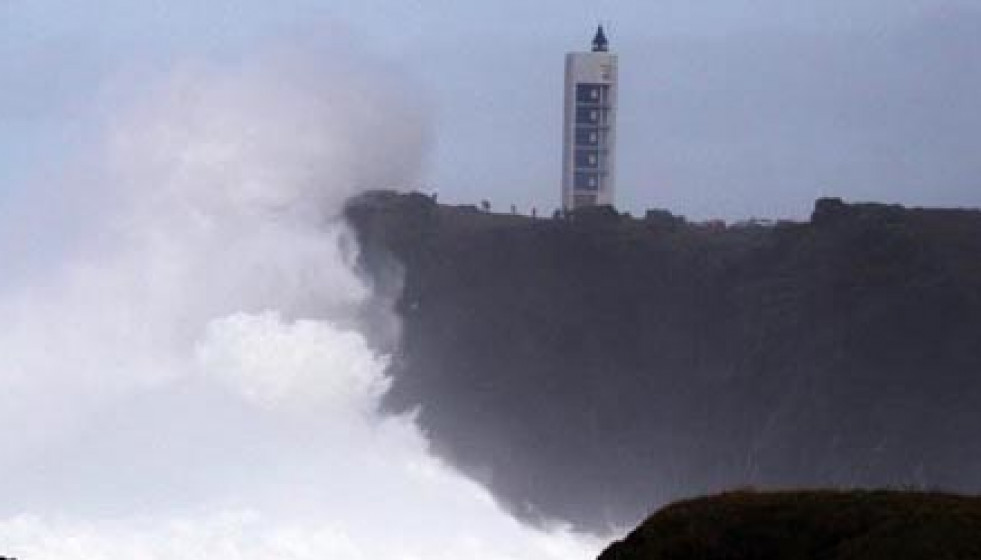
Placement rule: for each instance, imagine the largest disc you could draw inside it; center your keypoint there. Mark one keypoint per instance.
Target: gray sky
(730, 108)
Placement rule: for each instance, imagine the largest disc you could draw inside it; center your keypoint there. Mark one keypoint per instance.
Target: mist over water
(188, 376)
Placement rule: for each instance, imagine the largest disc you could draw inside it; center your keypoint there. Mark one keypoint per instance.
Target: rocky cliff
(596, 366)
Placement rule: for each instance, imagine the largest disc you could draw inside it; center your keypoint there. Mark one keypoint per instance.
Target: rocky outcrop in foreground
(809, 526)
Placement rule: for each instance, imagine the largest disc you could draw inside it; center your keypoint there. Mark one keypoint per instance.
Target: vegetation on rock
(815, 525)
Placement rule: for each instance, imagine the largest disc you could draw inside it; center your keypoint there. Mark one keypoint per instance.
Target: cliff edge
(593, 367)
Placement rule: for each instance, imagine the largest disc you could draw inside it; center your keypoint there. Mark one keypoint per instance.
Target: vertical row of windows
(592, 113)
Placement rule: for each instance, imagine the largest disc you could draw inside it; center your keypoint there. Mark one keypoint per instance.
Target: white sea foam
(188, 380)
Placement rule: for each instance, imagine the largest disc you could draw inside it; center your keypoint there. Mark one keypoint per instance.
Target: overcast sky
(729, 108)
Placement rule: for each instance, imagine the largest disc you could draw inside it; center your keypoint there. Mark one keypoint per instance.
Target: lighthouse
(589, 126)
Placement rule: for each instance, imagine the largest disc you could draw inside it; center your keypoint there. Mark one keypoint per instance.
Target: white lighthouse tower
(589, 130)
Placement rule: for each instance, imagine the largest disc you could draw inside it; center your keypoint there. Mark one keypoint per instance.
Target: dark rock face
(595, 367)
(809, 526)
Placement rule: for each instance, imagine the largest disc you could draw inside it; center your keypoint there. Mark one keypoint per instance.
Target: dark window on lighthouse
(585, 181)
(587, 137)
(587, 115)
(588, 93)
(589, 159)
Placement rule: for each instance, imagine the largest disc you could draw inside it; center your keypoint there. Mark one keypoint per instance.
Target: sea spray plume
(217, 187)
(188, 383)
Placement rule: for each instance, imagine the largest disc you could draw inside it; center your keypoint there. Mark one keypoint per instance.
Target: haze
(728, 109)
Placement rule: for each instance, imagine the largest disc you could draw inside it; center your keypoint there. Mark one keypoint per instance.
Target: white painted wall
(593, 68)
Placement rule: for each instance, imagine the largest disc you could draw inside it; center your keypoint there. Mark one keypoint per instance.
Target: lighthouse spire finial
(600, 44)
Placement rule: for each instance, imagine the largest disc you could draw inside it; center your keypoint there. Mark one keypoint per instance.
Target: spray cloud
(187, 380)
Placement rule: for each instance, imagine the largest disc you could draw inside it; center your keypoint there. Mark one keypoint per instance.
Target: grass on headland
(809, 525)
